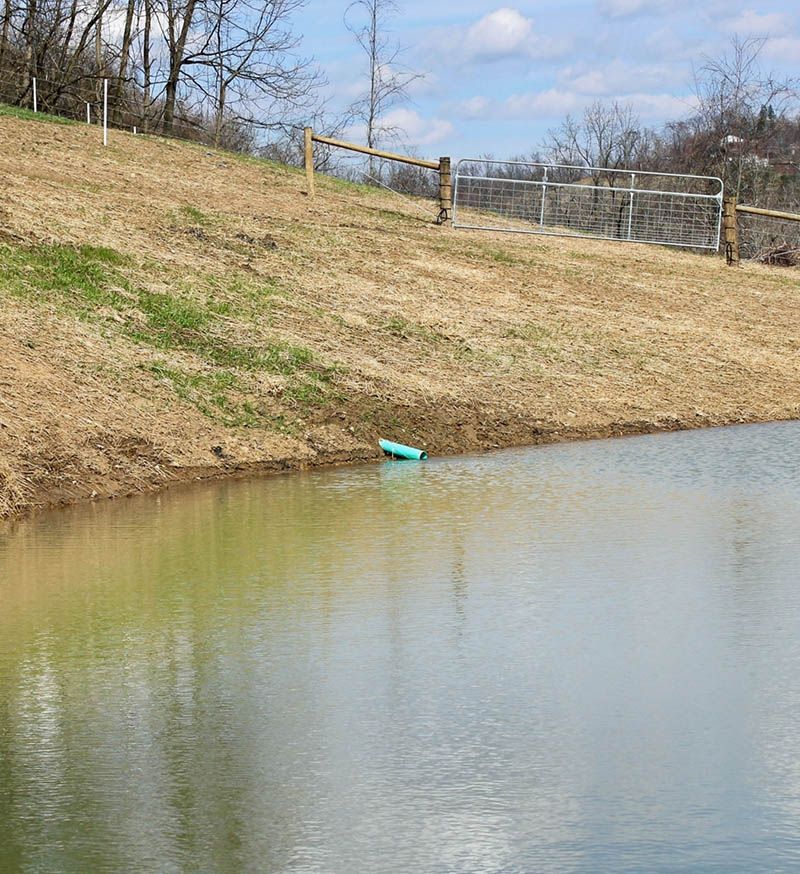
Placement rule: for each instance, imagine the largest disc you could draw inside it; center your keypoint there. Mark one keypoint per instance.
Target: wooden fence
(442, 167)
(730, 225)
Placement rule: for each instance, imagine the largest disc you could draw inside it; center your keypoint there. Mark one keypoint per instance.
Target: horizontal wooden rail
(366, 150)
(442, 167)
(770, 213)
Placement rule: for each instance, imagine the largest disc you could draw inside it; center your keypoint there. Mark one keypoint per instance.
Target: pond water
(570, 658)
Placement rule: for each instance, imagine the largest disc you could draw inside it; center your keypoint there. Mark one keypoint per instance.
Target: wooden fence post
(731, 229)
(308, 142)
(445, 191)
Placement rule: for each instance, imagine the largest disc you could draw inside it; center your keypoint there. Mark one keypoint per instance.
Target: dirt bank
(171, 312)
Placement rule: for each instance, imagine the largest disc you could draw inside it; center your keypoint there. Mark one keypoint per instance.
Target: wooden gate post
(308, 144)
(445, 192)
(731, 230)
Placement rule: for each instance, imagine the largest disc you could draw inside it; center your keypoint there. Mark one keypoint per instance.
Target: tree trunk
(223, 87)
(146, 65)
(127, 37)
(86, 34)
(4, 31)
(66, 44)
(176, 58)
(98, 52)
(29, 30)
(374, 73)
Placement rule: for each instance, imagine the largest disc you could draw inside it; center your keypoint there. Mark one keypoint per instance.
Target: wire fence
(601, 203)
(99, 102)
(769, 240)
(109, 102)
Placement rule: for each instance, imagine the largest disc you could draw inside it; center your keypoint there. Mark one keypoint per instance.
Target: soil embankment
(170, 312)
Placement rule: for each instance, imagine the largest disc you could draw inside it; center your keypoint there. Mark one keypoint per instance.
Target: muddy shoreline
(61, 497)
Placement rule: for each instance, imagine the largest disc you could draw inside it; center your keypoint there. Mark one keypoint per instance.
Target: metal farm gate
(594, 202)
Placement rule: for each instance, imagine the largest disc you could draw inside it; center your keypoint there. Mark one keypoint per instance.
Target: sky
(498, 77)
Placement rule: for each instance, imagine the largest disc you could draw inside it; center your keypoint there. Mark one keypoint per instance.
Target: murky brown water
(573, 658)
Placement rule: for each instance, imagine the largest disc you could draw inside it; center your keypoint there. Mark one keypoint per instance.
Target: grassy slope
(169, 311)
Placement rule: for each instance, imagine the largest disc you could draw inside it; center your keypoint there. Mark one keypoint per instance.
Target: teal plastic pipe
(397, 450)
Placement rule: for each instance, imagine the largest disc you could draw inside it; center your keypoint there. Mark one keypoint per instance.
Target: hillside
(171, 312)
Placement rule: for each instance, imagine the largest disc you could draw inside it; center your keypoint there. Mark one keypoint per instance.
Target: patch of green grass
(174, 324)
(173, 321)
(401, 327)
(345, 185)
(576, 345)
(29, 115)
(82, 277)
(263, 163)
(105, 255)
(279, 358)
(222, 395)
(239, 296)
(501, 257)
(210, 393)
(216, 381)
(195, 215)
(790, 281)
(534, 340)
(311, 389)
(88, 281)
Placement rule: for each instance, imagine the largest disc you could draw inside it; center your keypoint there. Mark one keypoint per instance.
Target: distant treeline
(211, 69)
(743, 127)
(228, 72)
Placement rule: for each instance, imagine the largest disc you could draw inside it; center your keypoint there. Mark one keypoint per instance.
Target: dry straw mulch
(377, 323)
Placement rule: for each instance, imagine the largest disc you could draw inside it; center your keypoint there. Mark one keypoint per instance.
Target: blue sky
(498, 76)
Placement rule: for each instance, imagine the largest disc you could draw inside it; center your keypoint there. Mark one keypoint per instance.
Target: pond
(582, 657)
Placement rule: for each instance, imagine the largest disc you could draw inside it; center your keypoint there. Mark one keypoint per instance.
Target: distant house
(732, 147)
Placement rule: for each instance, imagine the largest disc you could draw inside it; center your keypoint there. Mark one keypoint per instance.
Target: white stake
(35, 102)
(88, 113)
(105, 112)
(134, 130)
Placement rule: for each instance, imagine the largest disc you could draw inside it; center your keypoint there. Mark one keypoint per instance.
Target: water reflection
(576, 658)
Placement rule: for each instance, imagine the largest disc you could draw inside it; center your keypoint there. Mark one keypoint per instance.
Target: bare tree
(179, 19)
(608, 136)
(246, 63)
(389, 79)
(5, 30)
(147, 64)
(124, 57)
(606, 140)
(739, 104)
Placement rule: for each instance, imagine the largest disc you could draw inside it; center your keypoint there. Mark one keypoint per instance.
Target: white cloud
(785, 48)
(503, 34)
(654, 108)
(475, 107)
(500, 34)
(666, 44)
(407, 125)
(417, 129)
(555, 103)
(617, 76)
(550, 103)
(752, 23)
(632, 8)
